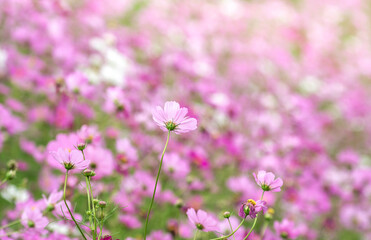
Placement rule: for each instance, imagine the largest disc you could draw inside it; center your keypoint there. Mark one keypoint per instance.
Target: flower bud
(170, 125)
(10, 175)
(179, 203)
(268, 216)
(31, 224)
(12, 165)
(81, 146)
(95, 201)
(226, 214)
(88, 213)
(102, 204)
(88, 173)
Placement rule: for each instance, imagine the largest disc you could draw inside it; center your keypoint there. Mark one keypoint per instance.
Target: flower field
(174, 120)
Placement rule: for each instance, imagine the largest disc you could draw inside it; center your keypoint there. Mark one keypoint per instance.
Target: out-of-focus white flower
(12, 193)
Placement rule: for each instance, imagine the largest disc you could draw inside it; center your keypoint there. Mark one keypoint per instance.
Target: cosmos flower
(201, 220)
(70, 159)
(286, 229)
(33, 218)
(173, 118)
(252, 208)
(267, 182)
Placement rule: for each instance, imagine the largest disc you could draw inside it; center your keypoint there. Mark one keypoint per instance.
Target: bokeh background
(276, 85)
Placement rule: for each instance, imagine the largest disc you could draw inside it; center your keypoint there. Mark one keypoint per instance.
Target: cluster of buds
(12, 167)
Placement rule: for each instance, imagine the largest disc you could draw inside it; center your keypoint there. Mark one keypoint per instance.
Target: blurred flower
(267, 182)
(33, 218)
(70, 159)
(173, 118)
(202, 220)
(286, 229)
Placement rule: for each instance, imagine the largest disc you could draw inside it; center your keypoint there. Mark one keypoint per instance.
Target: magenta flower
(267, 182)
(286, 229)
(202, 221)
(70, 159)
(173, 118)
(252, 208)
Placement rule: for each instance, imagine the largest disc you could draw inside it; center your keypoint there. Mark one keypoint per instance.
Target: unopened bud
(12, 165)
(88, 173)
(102, 204)
(10, 175)
(226, 214)
(81, 146)
(179, 203)
(246, 210)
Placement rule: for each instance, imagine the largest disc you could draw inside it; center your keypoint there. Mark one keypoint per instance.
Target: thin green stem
(65, 202)
(10, 224)
(265, 226)
(154, 191)
(256, 219)
(252, 228)
(89, 208)
(224, 237)
(195, 237)
(94, 216)
(230, 224)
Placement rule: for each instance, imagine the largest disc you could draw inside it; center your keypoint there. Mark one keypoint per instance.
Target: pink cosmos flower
(70, 159)
(286, 229)
(267, 182)
(33, 218)
(173, 118)
(202, 221)
(252, 208)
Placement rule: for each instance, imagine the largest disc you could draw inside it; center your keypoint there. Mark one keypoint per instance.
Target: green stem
(256, 219)
(229, 221)
(94, 216)
(89, 208)
(265, 226)
(252, 228)
(65, 202)
(10, 224)
(154, 191)
(224, 237)
(195, 237)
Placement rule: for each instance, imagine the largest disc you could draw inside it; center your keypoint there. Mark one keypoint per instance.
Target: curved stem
(230, 224)
(154, 191)
(10, 224)
(65, 202)
(252, 228)
(224, 237)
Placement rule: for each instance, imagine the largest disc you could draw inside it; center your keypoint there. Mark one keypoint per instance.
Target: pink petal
(171, 109)
(202, 216)
(192, 217)
(180, 115)
(159, 116)
(268, 178)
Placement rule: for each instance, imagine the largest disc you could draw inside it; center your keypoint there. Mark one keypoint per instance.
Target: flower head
(252, 208)
(70, 159)
(286, 229)
(173, 118)
(202, 221)
(267, 182)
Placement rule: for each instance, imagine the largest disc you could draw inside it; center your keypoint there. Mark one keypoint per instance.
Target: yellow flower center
(251, 201)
